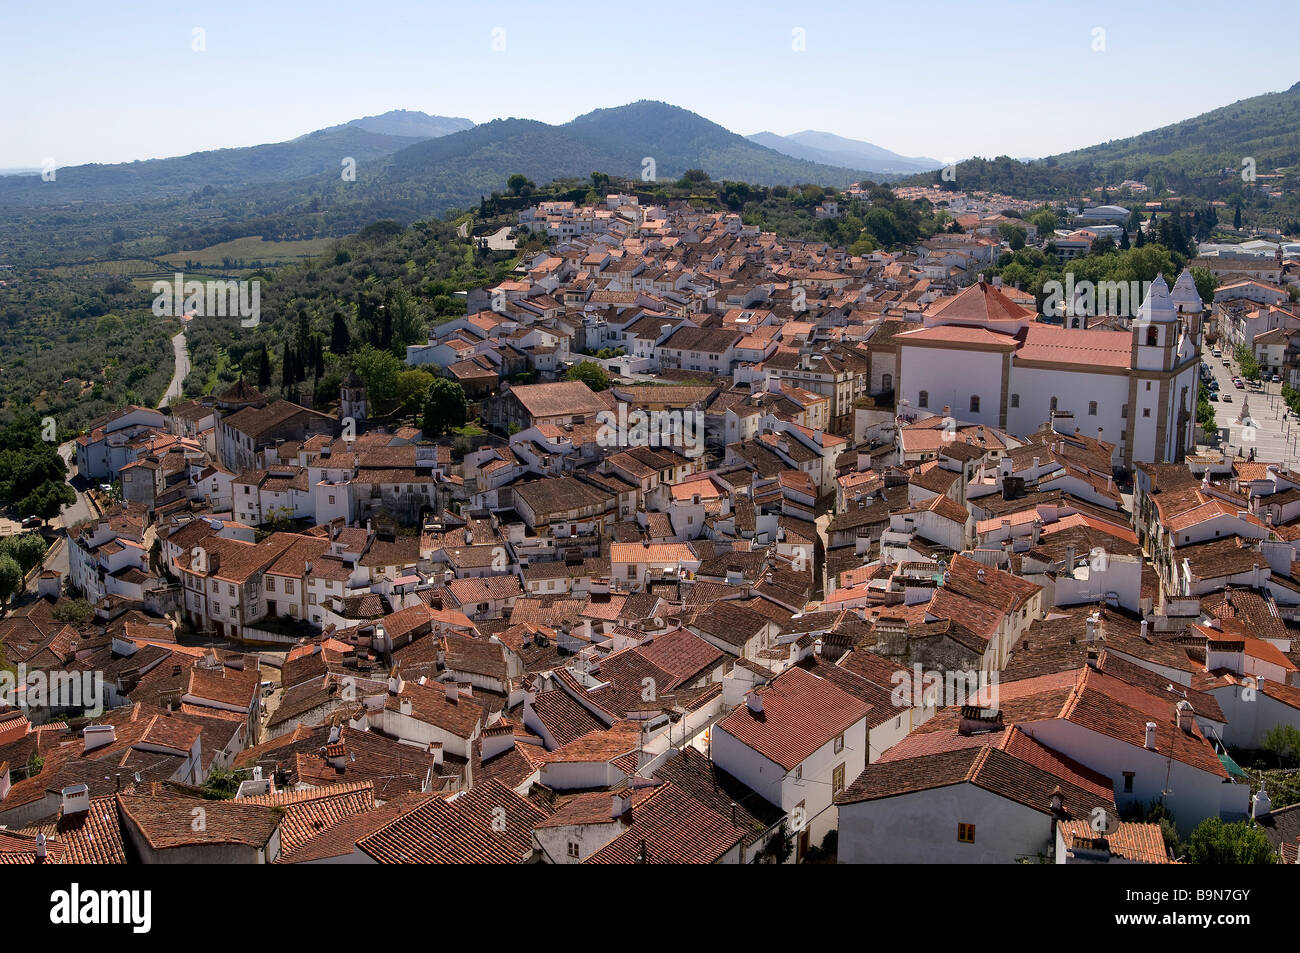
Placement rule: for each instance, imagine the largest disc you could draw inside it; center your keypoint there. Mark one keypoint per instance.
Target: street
(182, 357)
(1274, 438)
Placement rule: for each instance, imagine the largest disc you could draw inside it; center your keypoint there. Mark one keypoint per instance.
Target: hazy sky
(87, 83)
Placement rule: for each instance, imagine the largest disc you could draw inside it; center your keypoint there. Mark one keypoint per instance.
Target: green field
(243, 252)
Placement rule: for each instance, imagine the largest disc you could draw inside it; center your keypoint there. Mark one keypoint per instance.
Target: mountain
(411, 124)
(1265, 128)
(835, 150)
(362, 139)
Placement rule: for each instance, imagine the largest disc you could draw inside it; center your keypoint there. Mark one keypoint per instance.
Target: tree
(378, 370)
(1283, 742)
(11, 577)
(412, 390)
(445, 407)
(1014, 235)
(1214, 842)
(1206, 282)
(340, 339)
(48, 500)
(591, 374)
(1236, 218)
(519, 184)
(28, 549)
(73, 611)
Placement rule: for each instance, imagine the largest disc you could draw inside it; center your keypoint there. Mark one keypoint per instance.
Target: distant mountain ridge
(828, 148)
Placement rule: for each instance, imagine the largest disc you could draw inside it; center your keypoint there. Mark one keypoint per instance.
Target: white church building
(991, 362)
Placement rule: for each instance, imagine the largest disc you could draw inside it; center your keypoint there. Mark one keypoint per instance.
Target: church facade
(982, 358)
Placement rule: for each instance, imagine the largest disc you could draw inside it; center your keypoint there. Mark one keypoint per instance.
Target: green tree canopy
(591, 374)
(445, 407)
(1214, 842)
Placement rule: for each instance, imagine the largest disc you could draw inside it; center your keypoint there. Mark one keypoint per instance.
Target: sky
(89, 83)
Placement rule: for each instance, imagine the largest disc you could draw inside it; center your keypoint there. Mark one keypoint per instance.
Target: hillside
(1265, 128)
(836, 150)
(315, 153)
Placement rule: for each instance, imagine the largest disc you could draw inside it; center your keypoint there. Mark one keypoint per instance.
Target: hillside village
(857, 558)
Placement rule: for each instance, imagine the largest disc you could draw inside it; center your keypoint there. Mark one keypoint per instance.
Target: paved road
(1275, 435)
(182, 357)
(82, 509)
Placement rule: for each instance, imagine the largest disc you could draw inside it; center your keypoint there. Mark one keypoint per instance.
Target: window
(1146, 411)
(837, 780)
(923, 399)
(232, 589)
(270, 584)
(331, 501)
(1153, 337)
(839, 744)
(1015, 400)
(1123, 412)
(887, 382)
(1053, 404)
(798, 772)
(1092, 408)
(974, 403)
(1148, 385)
(966, 833)
(1128, 782)
(573, 849)
(288, 587)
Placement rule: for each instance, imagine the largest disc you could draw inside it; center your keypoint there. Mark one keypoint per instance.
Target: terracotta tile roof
(801, 712)
(675, 828)
(489, 824)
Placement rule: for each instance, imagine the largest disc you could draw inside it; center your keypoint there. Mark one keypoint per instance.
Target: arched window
(1153, 337)
(1074, 323)
(887, 383)
(923, 399)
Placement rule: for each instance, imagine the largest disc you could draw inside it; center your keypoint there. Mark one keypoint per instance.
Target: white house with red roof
(797, 743)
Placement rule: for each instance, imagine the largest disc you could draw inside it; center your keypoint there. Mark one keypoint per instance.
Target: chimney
(1091, 626)
(97, 736)
(1183, 714)
(1261, 805)
(404, 705)
(435, 749)
(1069, 560)
(1092, 658)
(453, 692)
(619, 805)
(40, 847)
(755, 702)
(979, 574)
(1143, 631)
(76, 799)
(1151, 736)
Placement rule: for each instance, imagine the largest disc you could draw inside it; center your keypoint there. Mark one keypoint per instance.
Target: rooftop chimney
(76, 799)
(620, 804)
(1151, 736)
(453, 692)
(755, 702)
(97, 736)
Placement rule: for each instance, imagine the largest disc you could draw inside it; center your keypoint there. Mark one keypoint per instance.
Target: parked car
(1213, 385)
(1276, 379)
(1239, 383)
(1214, 395)
(1217, 353)
(1227, 363)
(32, 522)
(1227, 398)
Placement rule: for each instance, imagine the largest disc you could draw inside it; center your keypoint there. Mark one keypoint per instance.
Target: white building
(983, 359)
